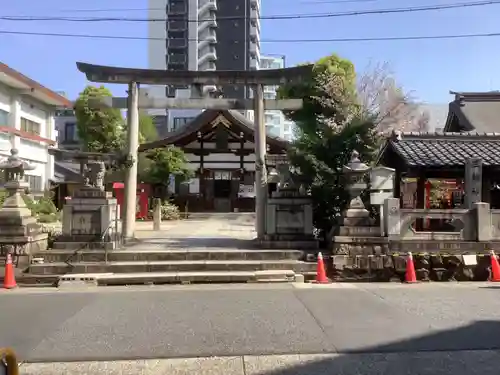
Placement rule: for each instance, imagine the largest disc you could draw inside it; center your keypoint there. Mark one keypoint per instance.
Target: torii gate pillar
(130, 201)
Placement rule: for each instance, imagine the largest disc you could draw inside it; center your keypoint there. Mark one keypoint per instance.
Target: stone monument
(91, 218)
(359, 235)
(289, 216)
(20, 234)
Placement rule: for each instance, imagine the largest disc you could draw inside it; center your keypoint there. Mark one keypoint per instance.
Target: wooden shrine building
(219, 145)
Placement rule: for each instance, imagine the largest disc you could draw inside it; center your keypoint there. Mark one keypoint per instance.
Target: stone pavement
(214, 230)
(431, 363)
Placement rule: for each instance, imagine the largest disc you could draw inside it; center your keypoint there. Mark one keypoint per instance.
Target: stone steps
(176, 278)
(167, 255)
(283, 244)
(60, 268)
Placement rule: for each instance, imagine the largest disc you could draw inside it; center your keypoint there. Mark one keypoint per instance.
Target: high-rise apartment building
(204, 35)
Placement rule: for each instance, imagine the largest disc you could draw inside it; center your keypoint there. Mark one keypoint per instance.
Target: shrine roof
(206, 117)
(441, 149)
(474, 111)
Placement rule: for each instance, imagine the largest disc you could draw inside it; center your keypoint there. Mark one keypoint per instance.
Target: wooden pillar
(420, 199)
(242, 154)
(397, 187)
(201, 172)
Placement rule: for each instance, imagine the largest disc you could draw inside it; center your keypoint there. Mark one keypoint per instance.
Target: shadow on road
(467, 350)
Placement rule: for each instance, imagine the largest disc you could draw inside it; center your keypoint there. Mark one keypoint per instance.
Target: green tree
(165, 162)
(330, 126)
(147, 128)
(147, 133)
(99, 129)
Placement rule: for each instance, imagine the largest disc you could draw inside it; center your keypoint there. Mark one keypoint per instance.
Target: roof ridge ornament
(397, 135)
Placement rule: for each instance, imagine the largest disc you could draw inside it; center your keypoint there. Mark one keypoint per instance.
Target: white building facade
(27, 123)
(276, 123)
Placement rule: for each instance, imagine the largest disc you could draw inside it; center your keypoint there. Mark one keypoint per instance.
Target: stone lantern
(14, 168)
(355, 172)
(21, 234)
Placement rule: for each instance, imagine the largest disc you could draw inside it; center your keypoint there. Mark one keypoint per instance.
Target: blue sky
(428, 68)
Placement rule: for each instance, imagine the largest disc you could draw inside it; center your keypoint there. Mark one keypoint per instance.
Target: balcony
(176, 43)
(208, 37)
(176, 25)
(254, 34)
(206, 6)
(209, 21)
(254, 64)
(255, 22)
(206, 55)
(255, 4)
(254, 50)
(176, 59)
(176, 9)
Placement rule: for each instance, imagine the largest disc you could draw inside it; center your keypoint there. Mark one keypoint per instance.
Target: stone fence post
(392, 218)
(157, 214)
(481, 220)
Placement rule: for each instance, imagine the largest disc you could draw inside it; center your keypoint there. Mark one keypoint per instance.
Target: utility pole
(131, 173)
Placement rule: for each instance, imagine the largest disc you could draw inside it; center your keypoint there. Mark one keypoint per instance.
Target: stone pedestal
(20, 234)
(91, 217)
(289, 221)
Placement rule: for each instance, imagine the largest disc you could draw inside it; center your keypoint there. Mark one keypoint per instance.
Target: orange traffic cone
(411, 276)
(320, 271)
(495, 267)
(9, 280)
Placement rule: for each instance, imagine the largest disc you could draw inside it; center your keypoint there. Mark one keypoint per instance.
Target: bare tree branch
(380, 96)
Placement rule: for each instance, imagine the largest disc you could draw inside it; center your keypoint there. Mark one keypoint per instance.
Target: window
(4, 118)
(29, 126)
(35, 183)
(70, 132)
(181, 121)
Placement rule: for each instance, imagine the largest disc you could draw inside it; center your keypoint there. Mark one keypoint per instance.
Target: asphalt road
(356, 321)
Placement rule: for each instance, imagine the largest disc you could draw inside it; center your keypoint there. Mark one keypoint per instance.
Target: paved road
(385, 328)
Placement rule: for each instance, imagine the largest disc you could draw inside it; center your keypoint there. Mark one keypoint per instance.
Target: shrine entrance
(222, 191)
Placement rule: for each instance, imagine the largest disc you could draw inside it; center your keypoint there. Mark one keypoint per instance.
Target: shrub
(48, 218)
(45, 206)
(43, 209)
(170, 211)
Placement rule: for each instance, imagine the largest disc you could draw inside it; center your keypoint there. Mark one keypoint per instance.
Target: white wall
(34, 152)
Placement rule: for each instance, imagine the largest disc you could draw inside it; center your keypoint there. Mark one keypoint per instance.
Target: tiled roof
(445, 149)
(476, 111)
(205, 118)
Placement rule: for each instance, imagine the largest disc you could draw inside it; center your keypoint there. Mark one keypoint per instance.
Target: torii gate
(196, 79)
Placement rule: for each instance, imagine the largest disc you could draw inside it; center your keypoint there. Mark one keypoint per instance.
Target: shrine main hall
(219, 145)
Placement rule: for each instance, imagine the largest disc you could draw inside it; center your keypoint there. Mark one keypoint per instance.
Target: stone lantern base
(20, 234)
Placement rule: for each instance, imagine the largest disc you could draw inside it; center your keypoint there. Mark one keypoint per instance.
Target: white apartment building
(276, 123)
(27, 123)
